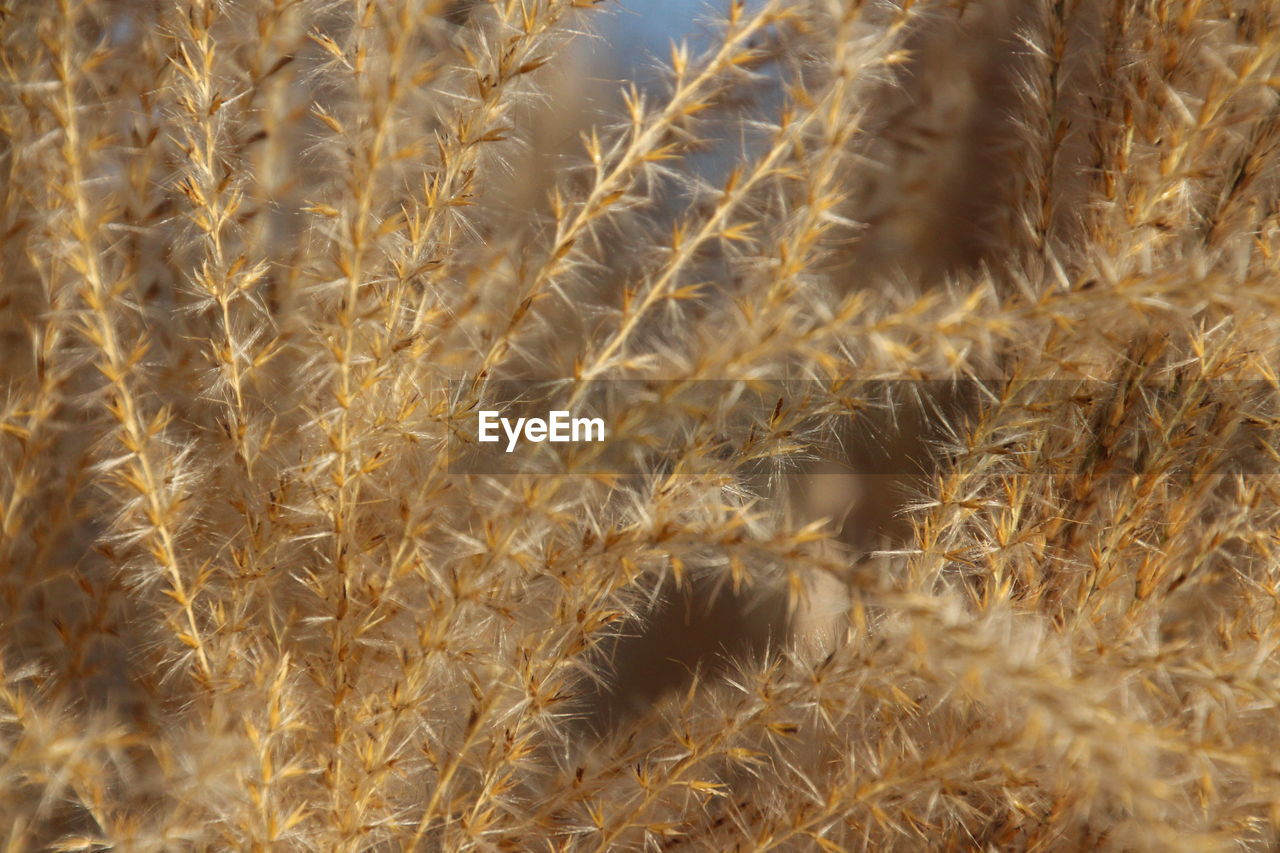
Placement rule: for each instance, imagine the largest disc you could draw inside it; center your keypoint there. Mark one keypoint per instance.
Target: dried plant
(264, 261)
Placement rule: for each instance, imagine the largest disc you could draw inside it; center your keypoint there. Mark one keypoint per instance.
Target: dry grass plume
(262, 259)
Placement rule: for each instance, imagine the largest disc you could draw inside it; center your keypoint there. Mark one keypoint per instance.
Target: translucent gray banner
(900, 427)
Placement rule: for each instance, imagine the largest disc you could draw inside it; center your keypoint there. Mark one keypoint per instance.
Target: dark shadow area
(701, 626)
